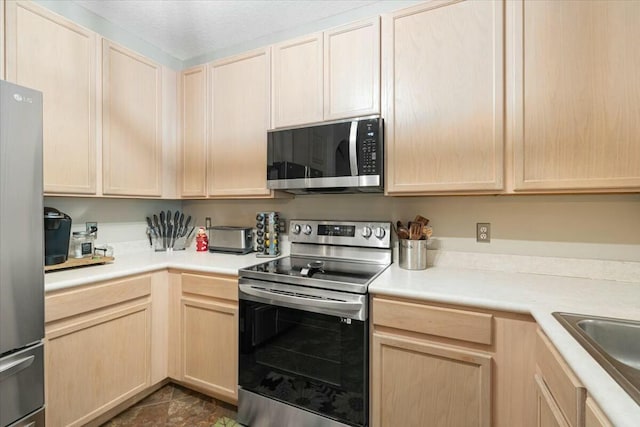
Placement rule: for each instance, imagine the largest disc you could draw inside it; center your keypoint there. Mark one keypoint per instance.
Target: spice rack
(267, 234)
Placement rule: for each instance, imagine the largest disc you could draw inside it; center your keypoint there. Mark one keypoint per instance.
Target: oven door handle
(299, 300)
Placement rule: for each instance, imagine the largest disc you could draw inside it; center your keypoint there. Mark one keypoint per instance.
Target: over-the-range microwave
(346, 156)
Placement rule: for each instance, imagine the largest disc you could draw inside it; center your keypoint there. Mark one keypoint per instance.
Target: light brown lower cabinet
(209, 334)
(441, 365)
(98, 348)
(558, 386)
(594, 417)
(548, 414)
(108, 344)
(419, 381)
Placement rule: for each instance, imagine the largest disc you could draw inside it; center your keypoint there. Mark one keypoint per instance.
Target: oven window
(314, 361)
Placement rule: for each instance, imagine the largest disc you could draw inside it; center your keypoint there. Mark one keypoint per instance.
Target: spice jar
(82, 243)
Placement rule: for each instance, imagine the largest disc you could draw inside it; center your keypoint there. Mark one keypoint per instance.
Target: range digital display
(337, 230)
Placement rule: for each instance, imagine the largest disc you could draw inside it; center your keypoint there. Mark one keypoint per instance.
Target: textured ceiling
(188, 28)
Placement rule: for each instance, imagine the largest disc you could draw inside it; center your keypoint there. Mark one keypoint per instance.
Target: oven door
(305, 347)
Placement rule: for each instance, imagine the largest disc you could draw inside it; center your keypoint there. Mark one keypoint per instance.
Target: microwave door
(346, 153)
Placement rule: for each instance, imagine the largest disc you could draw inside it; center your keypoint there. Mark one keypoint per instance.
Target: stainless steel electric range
(304, 336)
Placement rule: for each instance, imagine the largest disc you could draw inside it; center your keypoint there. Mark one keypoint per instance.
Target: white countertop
(538, 295)
(143, 262)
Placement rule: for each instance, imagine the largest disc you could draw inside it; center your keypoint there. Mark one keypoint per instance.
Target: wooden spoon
(402, 231)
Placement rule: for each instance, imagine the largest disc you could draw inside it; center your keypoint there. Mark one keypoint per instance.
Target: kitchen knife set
(169, 231)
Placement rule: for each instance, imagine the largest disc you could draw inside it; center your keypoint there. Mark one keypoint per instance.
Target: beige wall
(119, 220)
(580, 226)
(574, 226)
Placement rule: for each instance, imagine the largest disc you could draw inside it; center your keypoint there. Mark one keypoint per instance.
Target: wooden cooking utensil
(420, 219)
(402, 231)
(415, 230)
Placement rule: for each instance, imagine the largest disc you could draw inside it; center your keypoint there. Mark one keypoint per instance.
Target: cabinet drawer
(88, 298)
(565, 387)
(224, 287)
(439, 321)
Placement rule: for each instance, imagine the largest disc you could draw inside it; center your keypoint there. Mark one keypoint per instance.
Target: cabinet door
(297, 81)
(565, 387)
(418, 383)
(210, 346)
(443, 97)
(58, 58)
(239, 117)
(548, 413)
(95, 362)
(576, 98)
(193, 117)
(131, 123)
(594, 415)
(352, 70)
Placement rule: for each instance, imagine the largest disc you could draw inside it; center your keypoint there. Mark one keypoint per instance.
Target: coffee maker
(57, 231)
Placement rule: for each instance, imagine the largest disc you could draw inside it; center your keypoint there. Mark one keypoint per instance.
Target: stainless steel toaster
(229, 239)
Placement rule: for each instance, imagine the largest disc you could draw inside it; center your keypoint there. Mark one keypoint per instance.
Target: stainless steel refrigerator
(21, 257)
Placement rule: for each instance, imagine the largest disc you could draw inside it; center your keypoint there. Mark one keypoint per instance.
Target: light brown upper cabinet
(239, 119)
(352, 70)
(327, 76)
(576, 100)
(131, 123)
(297, 81)
(442, 72)
(58, 58)
(193, 141)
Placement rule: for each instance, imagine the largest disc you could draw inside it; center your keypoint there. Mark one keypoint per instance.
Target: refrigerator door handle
(11, 368)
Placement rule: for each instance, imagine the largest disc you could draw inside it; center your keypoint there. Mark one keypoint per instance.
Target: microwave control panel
(370, 149)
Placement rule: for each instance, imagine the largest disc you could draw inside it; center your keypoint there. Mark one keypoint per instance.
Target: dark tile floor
(176, 406)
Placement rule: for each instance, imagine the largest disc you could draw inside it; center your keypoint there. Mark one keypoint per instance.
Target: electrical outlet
(483, 232)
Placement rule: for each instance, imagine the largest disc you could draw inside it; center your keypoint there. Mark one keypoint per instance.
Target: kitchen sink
(613, 343)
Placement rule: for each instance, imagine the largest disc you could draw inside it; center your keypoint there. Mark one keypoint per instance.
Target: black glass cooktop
(306, 271)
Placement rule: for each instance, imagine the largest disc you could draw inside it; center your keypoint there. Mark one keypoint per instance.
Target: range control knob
(366, 232)
(307, 229)
(380, 233)
(296, 229)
